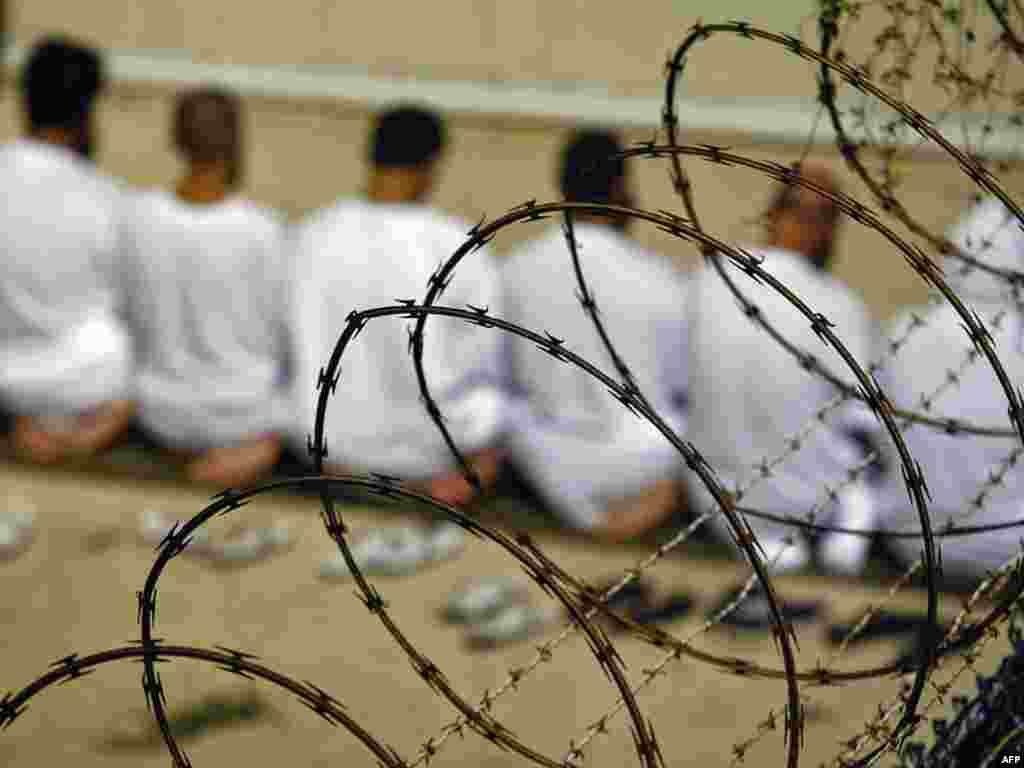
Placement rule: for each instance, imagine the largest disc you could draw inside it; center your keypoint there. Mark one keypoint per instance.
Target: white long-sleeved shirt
(641, 301)
(957, 467)
(577, 442)
(208, 291)
(59, 238)
(750, 397)
(356, 255)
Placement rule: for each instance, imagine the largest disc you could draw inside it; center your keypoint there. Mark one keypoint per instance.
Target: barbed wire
(581, 602)
(883, 192)
(875, 729)
(1000, 12)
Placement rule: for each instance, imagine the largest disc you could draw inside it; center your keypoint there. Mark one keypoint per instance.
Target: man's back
(357, 255)
(750, 396)
(958, 467)
(641, 301)
(58, 234)
(207, 285)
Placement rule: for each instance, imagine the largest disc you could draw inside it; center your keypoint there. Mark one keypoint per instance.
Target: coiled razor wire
(582, 602)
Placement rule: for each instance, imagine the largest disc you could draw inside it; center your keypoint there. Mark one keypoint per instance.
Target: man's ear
(426, 177)
(621, 194)
(235, 171)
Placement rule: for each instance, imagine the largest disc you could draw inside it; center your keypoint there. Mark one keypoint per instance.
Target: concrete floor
(75, 591)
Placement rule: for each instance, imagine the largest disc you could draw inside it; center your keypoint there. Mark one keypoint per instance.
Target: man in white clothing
(65, 358)
(599, 466)
(204, 271)
(357, 254)
(958, 468)
(752, 399)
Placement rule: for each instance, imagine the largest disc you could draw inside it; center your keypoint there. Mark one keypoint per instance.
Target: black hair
(589, 170)
(208, 128)
(406, 137)
(59, 84)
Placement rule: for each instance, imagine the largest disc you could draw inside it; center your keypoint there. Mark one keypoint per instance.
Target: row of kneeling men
(202, 320)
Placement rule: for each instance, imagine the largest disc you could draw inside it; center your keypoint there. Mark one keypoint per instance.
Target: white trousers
(974, 555)
(89, 366)
(400, 440)
(182, 416)
(578, 476)
(843, 553)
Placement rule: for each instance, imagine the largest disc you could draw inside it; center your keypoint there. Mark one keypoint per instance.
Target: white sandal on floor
(17, 533)
(445, 540)
(482, 601)
(154, 528)
(253, 544)
(383, 552)
(398, 551)
(515, 623)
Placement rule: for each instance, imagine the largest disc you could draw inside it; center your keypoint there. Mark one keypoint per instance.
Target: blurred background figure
(361, 253)
(958, 468)
(750, 398)
(65, 357)
(204, 271)
(598, 466)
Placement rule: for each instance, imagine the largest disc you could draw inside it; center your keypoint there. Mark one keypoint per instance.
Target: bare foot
(638, 514)
(453, 489)
(33, 443)
(97, 430)
(238, 465)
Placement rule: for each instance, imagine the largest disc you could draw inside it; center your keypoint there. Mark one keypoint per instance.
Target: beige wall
(617, 47)
(480, 40)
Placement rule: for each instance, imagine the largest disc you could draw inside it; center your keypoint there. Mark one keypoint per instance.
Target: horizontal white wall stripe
(767, 122)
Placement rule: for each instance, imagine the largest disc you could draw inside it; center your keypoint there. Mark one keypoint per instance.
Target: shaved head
(207, 129)
(794, 196)
(802, 219)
